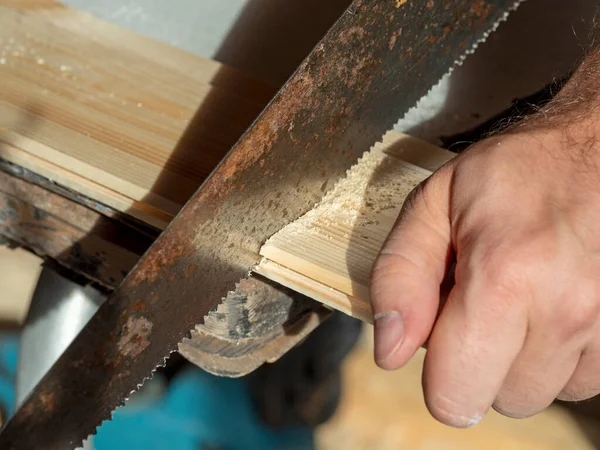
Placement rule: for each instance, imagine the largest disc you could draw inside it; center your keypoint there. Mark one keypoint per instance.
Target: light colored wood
(144, 123)
(328, 253)
(18, 278)
(86, 187)
(71, 234)
(318, 291)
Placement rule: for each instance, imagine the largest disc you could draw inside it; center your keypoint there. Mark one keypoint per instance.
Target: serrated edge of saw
(455, 64)
(163, 363)
(126, 399)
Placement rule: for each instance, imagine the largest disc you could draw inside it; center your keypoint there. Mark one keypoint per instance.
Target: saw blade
(373, 65)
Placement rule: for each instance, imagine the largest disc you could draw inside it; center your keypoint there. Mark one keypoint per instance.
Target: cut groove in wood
(318, 291)
(328, 253)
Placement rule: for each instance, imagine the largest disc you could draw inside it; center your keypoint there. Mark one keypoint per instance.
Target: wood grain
(18, 278)
(144, 123)
(86, 242)
(328, 253)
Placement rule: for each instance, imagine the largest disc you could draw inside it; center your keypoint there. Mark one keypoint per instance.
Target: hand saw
(372, 66)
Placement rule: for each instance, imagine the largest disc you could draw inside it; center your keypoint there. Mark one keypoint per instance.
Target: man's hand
(520, 216)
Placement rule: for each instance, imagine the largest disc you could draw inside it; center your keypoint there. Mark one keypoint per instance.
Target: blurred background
(41, 310)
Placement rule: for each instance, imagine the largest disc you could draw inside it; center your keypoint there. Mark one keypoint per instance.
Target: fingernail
(464, 421)
(472, 421)
(389, 331)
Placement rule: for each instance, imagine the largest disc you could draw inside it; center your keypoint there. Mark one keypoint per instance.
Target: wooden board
(90, 244)
(18, 278)
(328, 253)
(137, 125)
(128, 121)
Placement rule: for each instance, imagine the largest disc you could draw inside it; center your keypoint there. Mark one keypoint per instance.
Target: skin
(518, 216)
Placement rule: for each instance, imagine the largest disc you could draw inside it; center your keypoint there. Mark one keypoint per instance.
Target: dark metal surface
(375, 63)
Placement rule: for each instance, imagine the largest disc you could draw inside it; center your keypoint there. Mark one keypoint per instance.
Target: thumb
(406, 278)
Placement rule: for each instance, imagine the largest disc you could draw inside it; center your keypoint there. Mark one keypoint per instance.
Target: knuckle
(519, 256)
(414, 198)
(523, 273)
(576, 315)
(503, 273)
(581, 313)
(389, 272)
(390, 266)
(573, 324)
(426, 195)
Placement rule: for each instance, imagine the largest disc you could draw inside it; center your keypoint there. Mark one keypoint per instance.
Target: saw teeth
(138, 386)
(463, 57)
(221, 306)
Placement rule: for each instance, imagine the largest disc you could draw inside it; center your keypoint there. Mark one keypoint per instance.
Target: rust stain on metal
(134, 336)
(312, 94)
(306, 137)
(119, 377)
(48, 400)
(164, 253)
(479, 7)
(27, 409)
(393, 37)
(190, 269)
(138, 306)
(298, 96)
(346, 36)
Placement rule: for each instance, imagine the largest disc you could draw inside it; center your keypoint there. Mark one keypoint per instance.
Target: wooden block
(18, 278)
(79, 238)
(328, 253)
(141, 122)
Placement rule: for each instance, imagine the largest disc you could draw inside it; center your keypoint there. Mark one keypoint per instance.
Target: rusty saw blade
(373, 65)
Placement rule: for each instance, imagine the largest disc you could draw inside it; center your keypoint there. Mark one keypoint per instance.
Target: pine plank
(328, 253)
(18, 278)
(85, 187)
(72, 235)
(137, 118)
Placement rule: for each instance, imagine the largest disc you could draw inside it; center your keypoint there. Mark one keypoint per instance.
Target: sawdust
(337, 242)
(376, 185)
